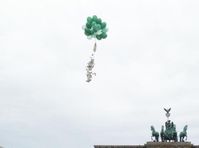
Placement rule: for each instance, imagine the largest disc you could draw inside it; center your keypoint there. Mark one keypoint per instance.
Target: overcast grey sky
(149, 61)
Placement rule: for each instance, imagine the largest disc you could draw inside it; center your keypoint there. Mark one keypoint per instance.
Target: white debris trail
(90, 65)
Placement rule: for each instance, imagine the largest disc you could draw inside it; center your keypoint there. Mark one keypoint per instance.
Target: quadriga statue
(170, 133)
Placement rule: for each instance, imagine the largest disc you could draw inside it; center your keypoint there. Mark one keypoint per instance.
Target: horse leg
(183, 139)
(162, 139)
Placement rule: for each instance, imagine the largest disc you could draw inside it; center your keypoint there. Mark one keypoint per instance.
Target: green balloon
(103, 25)
(92, 31)
(98, 37)
(87, 31)
(89, 19)
(93, 24)
(101, 35)
(95, 28)
(104, 30)
(99, 21)
(98, 26)
(105, 36)
(95, 17)
(88, 25)
(90, 22)
(99, 32)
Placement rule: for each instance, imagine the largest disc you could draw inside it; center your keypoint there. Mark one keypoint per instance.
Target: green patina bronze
(168, 132)
(183, 134)
(154, 134)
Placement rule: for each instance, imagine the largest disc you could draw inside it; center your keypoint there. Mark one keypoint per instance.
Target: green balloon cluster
(95, 28)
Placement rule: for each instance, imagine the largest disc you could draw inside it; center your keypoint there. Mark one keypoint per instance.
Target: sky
(148, 62)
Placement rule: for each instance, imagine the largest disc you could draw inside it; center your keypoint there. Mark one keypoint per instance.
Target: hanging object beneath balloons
(90, 66)
(97, 29)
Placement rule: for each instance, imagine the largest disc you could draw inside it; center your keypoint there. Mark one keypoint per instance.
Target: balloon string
(95, 47)
(91, 64)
